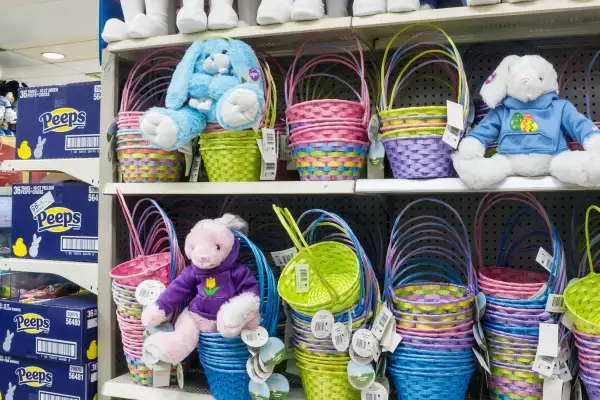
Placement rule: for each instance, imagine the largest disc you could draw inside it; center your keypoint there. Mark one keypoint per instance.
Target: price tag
(390, 339)
(481, 303)
(567, 321)
(564, 373)
(302, 278)
(180, 379)
(358, 359)
(268, 169)
(544, 365)
(566, 393)
(196, 165)
(374, 392)
(279, 387)
(148, 292)
(322, 324)
(376, 351)
(451, 136)
(482, 361)
(544, 259)
(161, 375)
(340, 336)
(383, 319)
(360, 376)
(539, 293)
(281, 258)
(556, 304)
(362, 342)
(373, 128)
(41, 204)
(255, 337)
(273, 352)
(553, 388)
(455, 125)
(548, 340)
(258, 391)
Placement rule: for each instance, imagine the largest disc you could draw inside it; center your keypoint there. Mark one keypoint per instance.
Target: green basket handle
(587, 237)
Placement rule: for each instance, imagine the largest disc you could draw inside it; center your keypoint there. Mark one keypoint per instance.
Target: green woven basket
(582, 298)
(413, 132)
(324, 385)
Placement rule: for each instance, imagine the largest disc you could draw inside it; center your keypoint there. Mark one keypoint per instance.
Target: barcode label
(341, 336)
(544, 259)
(544, 365)
(255, 337)
(78, 369)
(149, 291)
(82, 142)
(302, 278)
(556, 304)
(375, 392)
(451, 136)
(363, 342)
(53, 347)
(54, 396)
(79, 243)
(321, 324)
(281, 258)
(381, 322)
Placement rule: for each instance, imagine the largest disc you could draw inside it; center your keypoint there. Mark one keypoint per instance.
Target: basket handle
(133, 234)
(587, 237)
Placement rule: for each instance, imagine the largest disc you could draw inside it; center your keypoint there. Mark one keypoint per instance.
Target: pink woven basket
(329, 131)
(325, 110)
(510, 283)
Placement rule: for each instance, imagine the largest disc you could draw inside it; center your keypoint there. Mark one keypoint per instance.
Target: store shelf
(83, 169)
(83, 274)
(6, 191)
(455, 185)
(226, 188)
(123, 388)
(271, 38)
(506, 21)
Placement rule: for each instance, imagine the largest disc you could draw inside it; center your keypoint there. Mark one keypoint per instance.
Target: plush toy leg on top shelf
(171, 129)
(337, 8)
(403, 5)
(274, 12)
(308, 10)
(115, 29)
(192, 17)
(363, 8)
(428, 4)
(475, 170)
(579, 167)
(222, 15)
(247, 10)
(153, 23)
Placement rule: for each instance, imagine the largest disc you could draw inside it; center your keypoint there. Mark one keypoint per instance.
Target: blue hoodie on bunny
(534, 127)
(218, 80)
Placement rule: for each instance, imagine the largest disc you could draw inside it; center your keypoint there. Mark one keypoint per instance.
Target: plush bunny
(219, 80)
(39, 148)
(225, 293)
(280, 11)
(7, 344)
(529, 122)
(35, 245)
(142, 19)
(10, 393)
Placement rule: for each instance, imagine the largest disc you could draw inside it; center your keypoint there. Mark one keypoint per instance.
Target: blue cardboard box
(57, 221)
(59, 121)
(58, 330)
(24, 379)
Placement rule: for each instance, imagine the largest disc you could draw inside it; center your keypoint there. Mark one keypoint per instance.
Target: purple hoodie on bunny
(214, 287)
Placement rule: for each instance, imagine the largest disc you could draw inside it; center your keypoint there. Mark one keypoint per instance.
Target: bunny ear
(177, 94)
(244, 63)
(233, 222)
(495, 87)
(34, 237)
(39, 140)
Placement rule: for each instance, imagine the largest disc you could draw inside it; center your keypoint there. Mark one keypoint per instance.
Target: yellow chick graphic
(19, 248)
(95, 397)
(24, 152)
(92, 352)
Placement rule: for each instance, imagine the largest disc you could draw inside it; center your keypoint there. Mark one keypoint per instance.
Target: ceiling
(32, 27)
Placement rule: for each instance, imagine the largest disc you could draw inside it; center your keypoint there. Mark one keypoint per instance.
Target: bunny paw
(192, 18)
(239, 109)
(159, 129)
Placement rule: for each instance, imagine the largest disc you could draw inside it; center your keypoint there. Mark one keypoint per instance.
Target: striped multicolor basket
(143, 375)
(231, 156)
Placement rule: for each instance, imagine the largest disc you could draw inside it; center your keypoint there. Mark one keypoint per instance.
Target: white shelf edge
(225, 188)
(455, 185)
(5, 191)
(83, 169)
(82, 273)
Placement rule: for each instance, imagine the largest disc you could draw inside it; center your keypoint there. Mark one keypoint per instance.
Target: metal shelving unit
(83, 169)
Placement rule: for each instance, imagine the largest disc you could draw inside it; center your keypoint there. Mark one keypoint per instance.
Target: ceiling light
(53, 56)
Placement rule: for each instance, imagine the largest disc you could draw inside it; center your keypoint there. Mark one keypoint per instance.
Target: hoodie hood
(226, 265)
(544, 101)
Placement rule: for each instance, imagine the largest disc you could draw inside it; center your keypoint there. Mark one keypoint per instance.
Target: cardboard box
(59, 121)
(24, 379)
(56, 221)
(59, 330)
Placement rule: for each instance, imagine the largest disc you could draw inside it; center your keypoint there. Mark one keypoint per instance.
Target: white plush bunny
(10, 393)
(529, 122)
(7, 341)
(142, 19)
(39, 148)
(35, 246)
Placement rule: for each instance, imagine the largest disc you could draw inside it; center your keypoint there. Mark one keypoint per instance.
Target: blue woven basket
(227, 384)
(428, 386)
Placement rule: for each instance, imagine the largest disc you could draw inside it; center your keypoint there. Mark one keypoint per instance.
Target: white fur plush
(238, 313)
(364, 8)
(308, 10)
(274, 12)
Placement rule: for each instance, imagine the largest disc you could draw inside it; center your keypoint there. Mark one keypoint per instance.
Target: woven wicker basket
(231, 156)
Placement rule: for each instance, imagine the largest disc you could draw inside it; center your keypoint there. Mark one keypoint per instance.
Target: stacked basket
(139, 160)
(434, 359)
(583, 301)
(342, 282)
(328, 137)
(164, 265)
(224, 360)
(516, 298)
(412, 136)
(588, 85)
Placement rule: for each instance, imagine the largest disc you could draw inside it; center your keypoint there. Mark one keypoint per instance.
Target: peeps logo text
(62, 120)
(32, 323)
(58, 219)
(34, 377)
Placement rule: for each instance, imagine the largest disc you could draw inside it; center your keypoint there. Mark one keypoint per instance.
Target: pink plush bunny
(226, 294)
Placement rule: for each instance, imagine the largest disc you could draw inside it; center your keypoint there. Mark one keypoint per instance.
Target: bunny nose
(525, 79)
(203, 258)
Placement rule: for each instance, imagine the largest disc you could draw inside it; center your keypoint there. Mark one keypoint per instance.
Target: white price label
(281, 258)
(255, 337)
(553, 389)
(196, 165)
(322, 324)
(362, 342)
(340, 336)
(390, 339)
(451, 136)
(544, 259)
(180, 378)
(384, 318)
(358, 359)
(556, 304)
(148, 292)
(548, 340)
(268, 150)
(564, 373)
(566, 394)
(302, 278)
(252, 373)
(41, 204)
(544, 365)
(374, 392)
(161, 375)
(455, 115)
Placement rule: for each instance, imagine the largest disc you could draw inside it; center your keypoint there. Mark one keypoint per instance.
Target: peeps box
(57, 221)
(23, 379)
(58, 330)
(59, 121)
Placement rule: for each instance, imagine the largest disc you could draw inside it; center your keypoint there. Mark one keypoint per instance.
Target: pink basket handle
(133, 234)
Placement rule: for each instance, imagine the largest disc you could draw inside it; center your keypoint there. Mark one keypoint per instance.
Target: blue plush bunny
(218, 80)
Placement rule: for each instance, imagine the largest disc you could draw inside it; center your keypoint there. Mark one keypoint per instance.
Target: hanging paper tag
(383, 319)
(539, 293)
(544, 365)
(161, 375)
(279, 387)
(553, 388)
(180, 378)
(196, 165)
(302, 281)
(390, 339)
(567, 321)
(481, 303)
(455, 125)
(281, 258)
(268, 150)
(566, 392)
(556, 304)
(360, 376)
(273, 352)
(564, 373)
(258, 391)
(340, 336)
(548, 340)
(375, 167)
(482, 361)
(373, 128)
(149, 291)
(255, 337)
(374, 392)
(322, 324)
(376, 351)
(362, 342)
(544, 259)
(358, 359)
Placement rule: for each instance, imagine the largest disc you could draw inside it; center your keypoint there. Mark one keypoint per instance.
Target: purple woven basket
(419, 158)
(592, 387)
